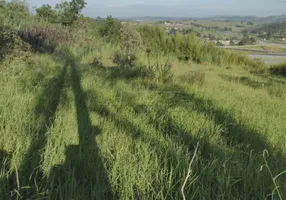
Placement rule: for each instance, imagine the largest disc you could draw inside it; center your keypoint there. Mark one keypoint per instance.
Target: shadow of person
(83, 175)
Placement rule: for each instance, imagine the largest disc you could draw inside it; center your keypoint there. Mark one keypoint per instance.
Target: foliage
(123, 60)
(246, 40)
(68, 12)
(44, 38)
(130, 39)
(15, 11)
(278, 69)
(11, 15)
(72, 127)
(110, 29)
(46, 12)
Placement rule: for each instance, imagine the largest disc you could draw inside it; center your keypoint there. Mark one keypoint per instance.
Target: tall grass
(75, 125)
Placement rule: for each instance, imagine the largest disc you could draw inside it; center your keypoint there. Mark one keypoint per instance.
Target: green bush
(10, 17)
(46, 12)
(110, 29)
(130, 39)
(45, 37)
(124, 60)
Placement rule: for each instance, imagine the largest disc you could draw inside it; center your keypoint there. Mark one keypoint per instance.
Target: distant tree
(234, 38)
(198, 34)
(246, 40)
(130, 39)
(229, 29)
(250, 23)
(252, 41)
(14, 10)
(244, 31)
(110, 29)
(218, 43)
(69, 12)
(48, 13)
(212, 37)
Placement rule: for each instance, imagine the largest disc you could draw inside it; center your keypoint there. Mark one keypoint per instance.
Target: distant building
(283, 38)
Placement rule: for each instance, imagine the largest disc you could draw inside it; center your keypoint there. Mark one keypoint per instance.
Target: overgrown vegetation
(279, 69)
(96, 109)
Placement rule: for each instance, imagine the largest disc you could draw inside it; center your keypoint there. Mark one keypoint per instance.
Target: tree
(69, 12)
(110, 29)
(48, 13)
(130, 39)
(252, 41)
(250, 23)
(218, 43)
(246, 40)
(212, 37)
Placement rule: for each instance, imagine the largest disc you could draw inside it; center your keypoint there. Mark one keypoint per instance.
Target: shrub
(97, 62)
(124, 60)
(110, 29)
(46, 12)
(44, 38)
(130, 39)
(10, 43)
(69, 12)
(163, 72)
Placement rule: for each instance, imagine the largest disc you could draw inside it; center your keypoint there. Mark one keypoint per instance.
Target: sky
(176, 8)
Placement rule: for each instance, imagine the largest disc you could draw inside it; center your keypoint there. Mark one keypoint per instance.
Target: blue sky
(177, 8)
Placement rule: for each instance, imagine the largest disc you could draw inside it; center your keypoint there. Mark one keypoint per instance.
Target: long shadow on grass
(5, 162)
(242, 138)
(83, 175)
(29, 179)
(244, 80)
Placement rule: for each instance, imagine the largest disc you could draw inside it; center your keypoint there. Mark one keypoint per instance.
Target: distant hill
(272, 28)
(269, 19)
(263, 20)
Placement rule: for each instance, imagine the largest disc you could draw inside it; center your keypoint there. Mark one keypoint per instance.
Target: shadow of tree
(247, 142)
(245, 81)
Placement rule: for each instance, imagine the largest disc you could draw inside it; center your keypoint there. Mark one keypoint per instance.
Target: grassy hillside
(103, 111)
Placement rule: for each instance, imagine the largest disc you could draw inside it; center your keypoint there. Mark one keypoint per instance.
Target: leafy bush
(130, 39)
(124, 60)
(44, 38)
(10, 17)
(46, 12)
(163, 72)
(110, 29)
(190, 47)
(246, 40)
(65, 13)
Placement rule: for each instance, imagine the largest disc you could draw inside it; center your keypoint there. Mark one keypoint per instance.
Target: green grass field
(99, 110)
(69, 130)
